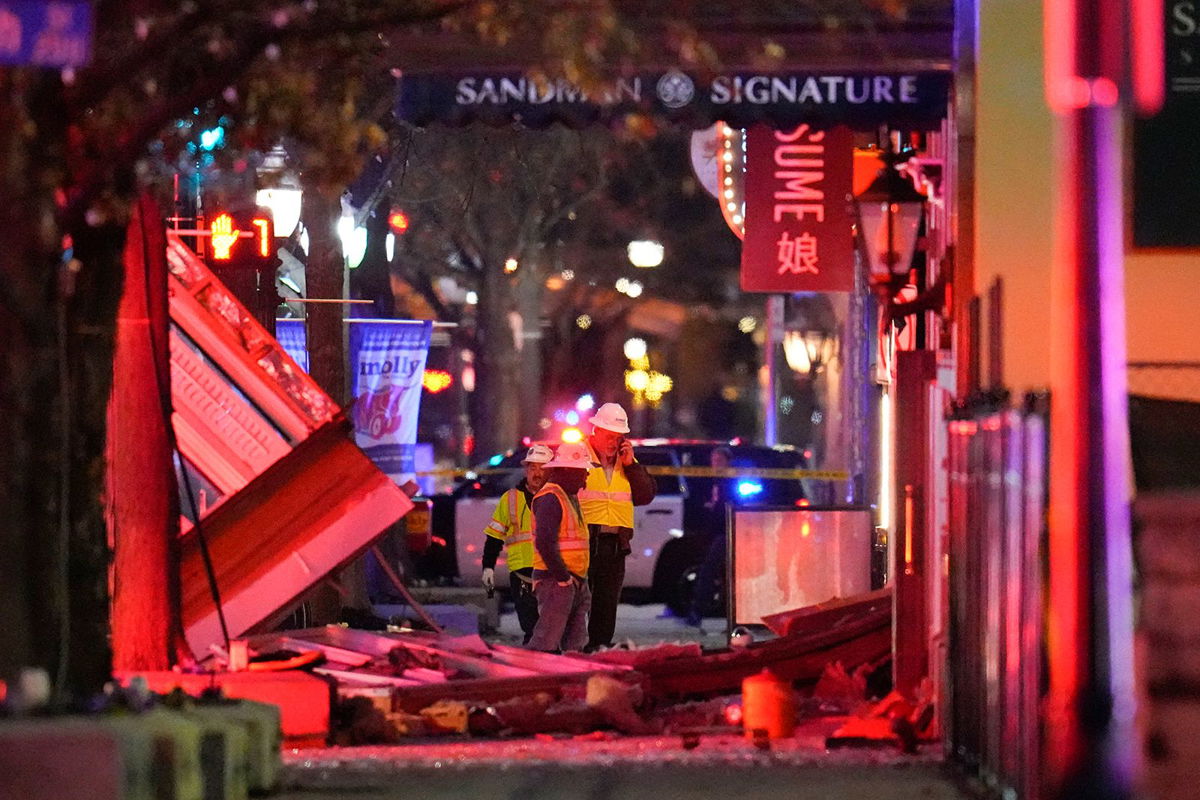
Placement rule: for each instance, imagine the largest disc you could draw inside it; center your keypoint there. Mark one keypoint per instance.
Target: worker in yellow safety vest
(613, 488)
(511, 529)
(560, 553)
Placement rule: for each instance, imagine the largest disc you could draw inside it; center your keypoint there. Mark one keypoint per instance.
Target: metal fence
(998, 496)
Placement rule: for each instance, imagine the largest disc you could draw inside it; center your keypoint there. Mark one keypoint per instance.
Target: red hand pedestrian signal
(223, 237)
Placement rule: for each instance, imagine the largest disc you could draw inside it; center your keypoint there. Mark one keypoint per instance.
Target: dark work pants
(606, 574)
(562, 615)
(525, 601)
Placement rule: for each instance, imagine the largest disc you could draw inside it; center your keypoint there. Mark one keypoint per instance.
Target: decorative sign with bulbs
(731, 172)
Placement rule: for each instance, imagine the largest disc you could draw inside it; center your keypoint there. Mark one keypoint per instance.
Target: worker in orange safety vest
(561, 553)
(511, 530)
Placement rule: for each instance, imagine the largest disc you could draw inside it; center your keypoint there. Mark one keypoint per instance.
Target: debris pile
(894, 721)
(400, 684)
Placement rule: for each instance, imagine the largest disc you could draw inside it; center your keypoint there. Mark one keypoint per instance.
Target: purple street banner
(799, 235)
(387, 360)
(387, 363)
(291, 335)
(39, 33)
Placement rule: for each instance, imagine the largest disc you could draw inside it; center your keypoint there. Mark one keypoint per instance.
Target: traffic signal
(436, 380)
(245, 240)
(397, 221)
(241, 253)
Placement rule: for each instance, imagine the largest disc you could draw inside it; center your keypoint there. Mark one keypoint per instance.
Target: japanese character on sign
(798, 254)
(799, 226)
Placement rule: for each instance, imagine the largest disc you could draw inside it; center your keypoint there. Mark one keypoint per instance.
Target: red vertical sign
(798, 219)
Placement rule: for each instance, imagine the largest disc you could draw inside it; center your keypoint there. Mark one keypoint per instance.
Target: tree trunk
(26, 361)
(90, 311)
(142, 497)
(496, 399)
(528, 288)
(325, 278)
(56, 322)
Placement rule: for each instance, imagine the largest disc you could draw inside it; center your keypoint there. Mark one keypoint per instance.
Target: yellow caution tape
(687, 472)
(750, 472)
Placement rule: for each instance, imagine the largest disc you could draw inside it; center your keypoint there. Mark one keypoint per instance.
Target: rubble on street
(404, 685)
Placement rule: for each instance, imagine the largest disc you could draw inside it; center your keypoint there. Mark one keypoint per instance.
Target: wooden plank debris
(823, 616)
(856, 632)
(485, 691)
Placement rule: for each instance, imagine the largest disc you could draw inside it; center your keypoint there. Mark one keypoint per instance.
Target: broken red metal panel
(495, 673)
(822, 616)
(311, 512)
(245, 444)
(862, 636)
(292, 497)
(304, 700)
(853, 632)
(379, 644)
(240, 403)
(633, 659)
(254, 361)
(550, 663)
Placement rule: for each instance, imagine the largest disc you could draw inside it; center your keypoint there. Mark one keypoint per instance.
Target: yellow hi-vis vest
(572, 534)
(513, 524)
(606, 501)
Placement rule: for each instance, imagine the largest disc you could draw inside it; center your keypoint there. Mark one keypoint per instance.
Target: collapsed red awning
(283, 495)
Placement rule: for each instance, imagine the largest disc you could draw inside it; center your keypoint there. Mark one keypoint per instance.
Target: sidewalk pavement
(639, 624)
(614, 767)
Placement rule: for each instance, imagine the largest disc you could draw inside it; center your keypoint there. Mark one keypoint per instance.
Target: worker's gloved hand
(489, 578)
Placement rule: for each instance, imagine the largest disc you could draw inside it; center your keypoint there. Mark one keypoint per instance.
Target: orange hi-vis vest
(511, 524)
(572, 533)
(604, 500)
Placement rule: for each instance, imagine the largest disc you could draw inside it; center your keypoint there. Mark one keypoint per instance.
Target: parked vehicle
(460, 517)
(679, 564)
(669, 543)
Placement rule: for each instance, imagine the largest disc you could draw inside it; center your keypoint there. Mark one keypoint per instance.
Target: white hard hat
(538, 454)
(611, 417)
(573, 455)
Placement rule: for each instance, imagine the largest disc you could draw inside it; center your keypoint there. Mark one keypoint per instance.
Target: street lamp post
(645, 253)
(889, 215)
(807, 352)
